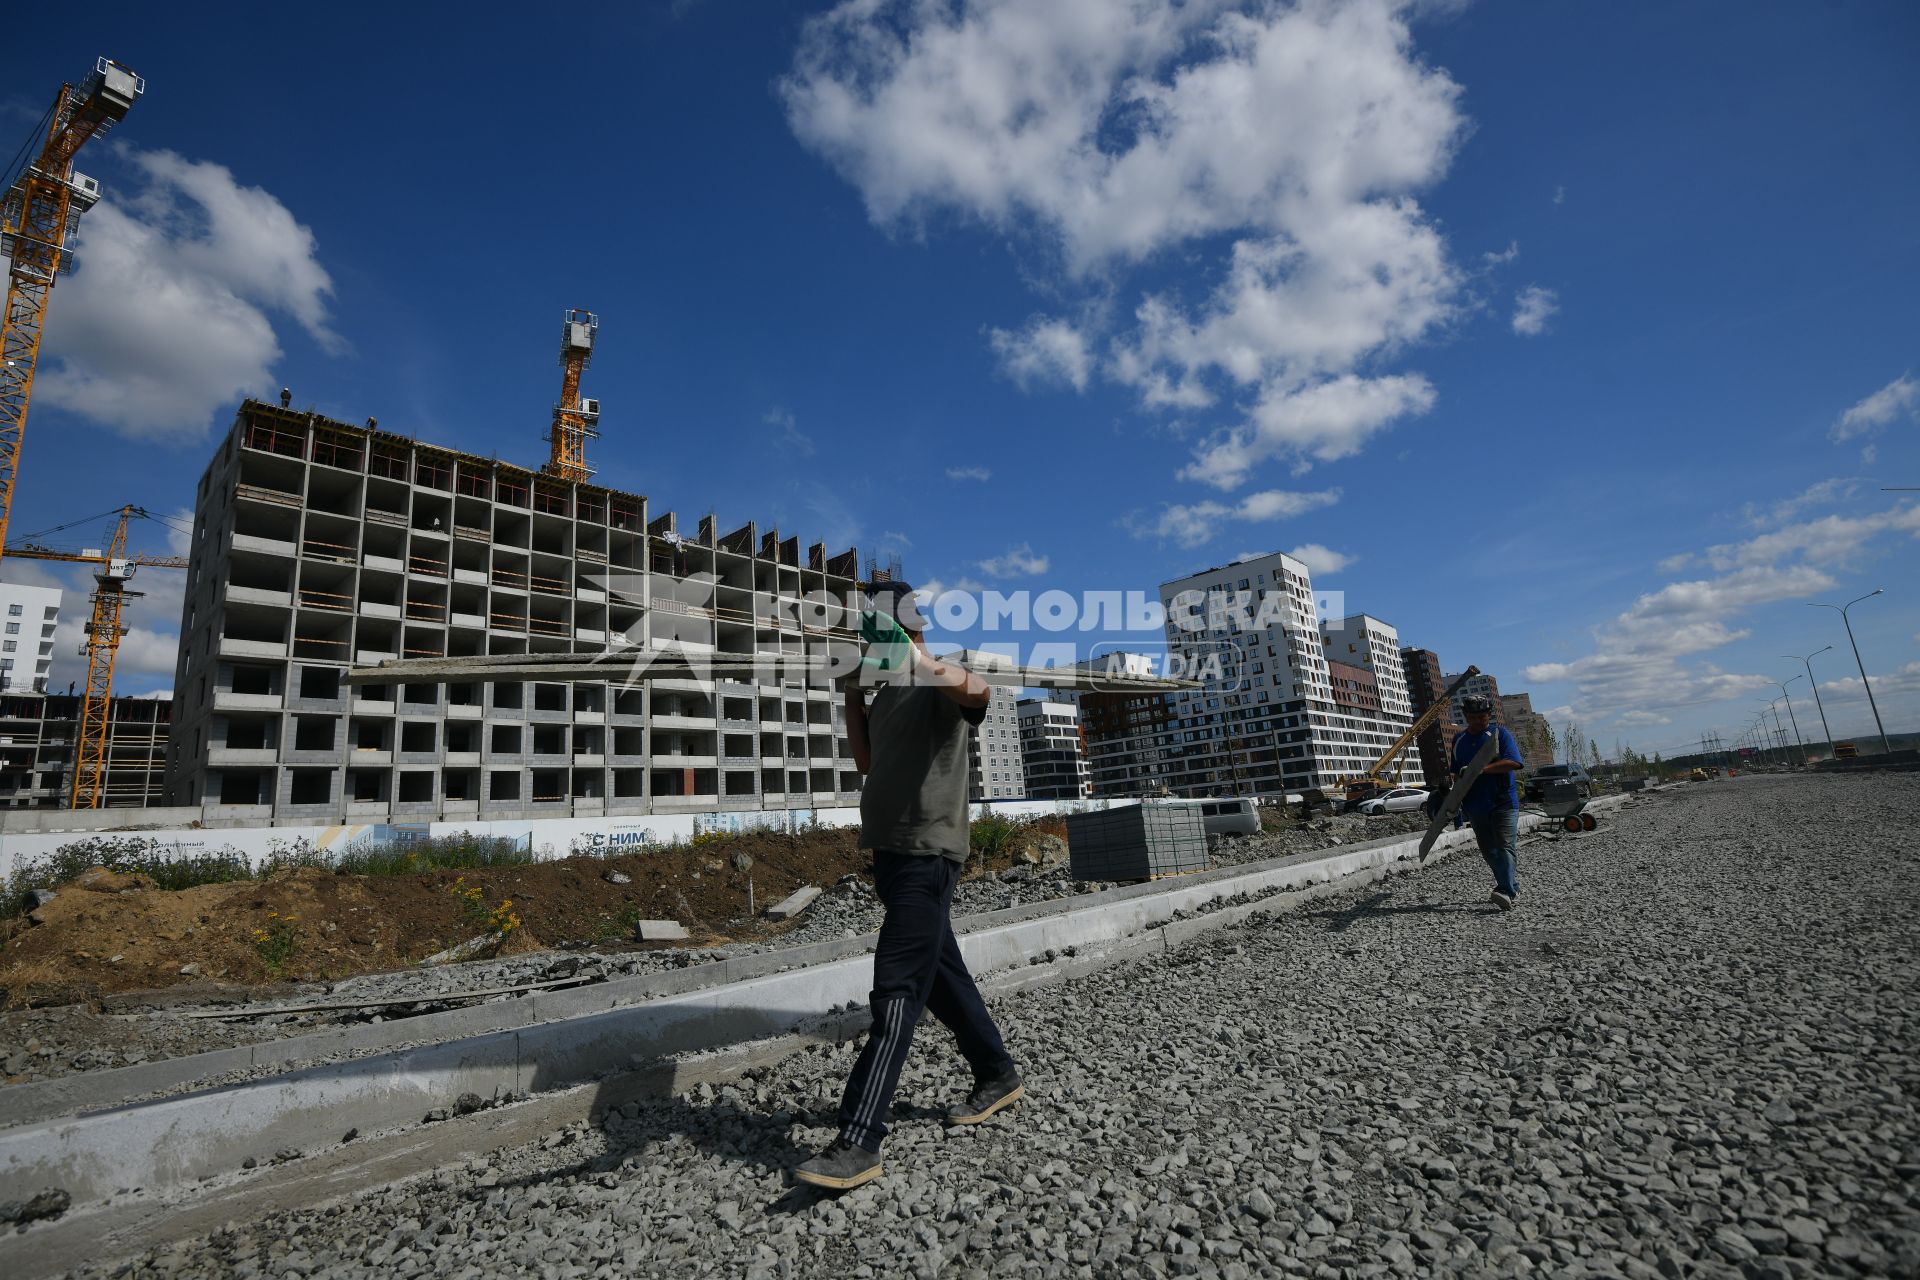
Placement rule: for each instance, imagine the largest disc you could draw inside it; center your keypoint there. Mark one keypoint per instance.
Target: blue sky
(1576, 341)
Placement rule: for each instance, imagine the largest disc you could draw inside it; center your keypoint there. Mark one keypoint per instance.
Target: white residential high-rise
(31, 615)
(1268, 720)
(996, 765)
(1362, 640)
(1056, 758)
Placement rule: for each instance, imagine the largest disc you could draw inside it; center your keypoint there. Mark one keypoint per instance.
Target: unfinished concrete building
(318, 545)
(38, 733)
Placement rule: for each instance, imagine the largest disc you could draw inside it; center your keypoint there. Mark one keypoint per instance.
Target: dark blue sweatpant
(917, 967)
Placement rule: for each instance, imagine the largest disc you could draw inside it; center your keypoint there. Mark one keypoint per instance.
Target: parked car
(1398, 800)
(1577, 773)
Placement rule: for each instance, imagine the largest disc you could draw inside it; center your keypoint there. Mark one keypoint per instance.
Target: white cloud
(969, 473)
(1533, 306)
(1674, 564)
(1638, 659)
(888, 538)
(1830, 540)
(1869, 454)
(1048, 352)
(1321, 560)
(787, 433)
(167, 316)
(1018, 562)
(1500, 259)
(1644, 718)
(1902, 395)
(1111, 134)
(1897, 693)
(1195, 524)
(1821, 493)
(1559, 195)
(1327, 422)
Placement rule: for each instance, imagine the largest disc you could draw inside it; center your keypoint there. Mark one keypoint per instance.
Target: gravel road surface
(1693, 1050)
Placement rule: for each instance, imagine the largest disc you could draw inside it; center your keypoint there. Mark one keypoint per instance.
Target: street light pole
(1791, 718)
(1778, 734)
(1842, 610)
(1807, 662)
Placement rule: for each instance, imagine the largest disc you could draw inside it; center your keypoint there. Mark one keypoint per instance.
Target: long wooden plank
(662, 664)
(1457, 795)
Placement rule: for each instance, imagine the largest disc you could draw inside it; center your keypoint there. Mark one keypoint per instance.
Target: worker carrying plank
(911, 743)
(1492, 802)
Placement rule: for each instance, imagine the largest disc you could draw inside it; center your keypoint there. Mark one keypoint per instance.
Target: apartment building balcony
(231, 647)
(662, 760)
(368, 808)
(228, 700)
(456, 810)
(266, 496)
(367, 657)
(465, 711)
(696, 723)
(327, 757)
(372, 706)
(238, 757)
(356, 758)
(253, 542)
(375, 609)
(237, 594)
(467, 621)
(462, 760)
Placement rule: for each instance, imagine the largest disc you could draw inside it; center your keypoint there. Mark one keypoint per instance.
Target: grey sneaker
(1502, 901)
(841, 1167)
(988, 1096)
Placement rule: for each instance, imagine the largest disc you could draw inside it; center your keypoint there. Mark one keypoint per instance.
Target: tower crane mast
(574, 420)
(37, 219)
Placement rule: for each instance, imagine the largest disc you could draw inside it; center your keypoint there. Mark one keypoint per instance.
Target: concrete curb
(125, 1166)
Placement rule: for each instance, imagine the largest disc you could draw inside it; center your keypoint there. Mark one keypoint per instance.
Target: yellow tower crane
(102, 645)
(37, 219)
(574, 420)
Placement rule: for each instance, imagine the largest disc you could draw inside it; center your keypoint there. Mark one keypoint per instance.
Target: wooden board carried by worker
(674, 664)
(1457, 795)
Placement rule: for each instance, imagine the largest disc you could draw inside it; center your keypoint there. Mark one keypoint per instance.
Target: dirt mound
(105, 933)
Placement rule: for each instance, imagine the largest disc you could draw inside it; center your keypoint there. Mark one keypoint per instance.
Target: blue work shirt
(1490, 791)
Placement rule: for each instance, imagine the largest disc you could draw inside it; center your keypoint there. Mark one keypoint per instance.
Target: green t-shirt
(915, 797)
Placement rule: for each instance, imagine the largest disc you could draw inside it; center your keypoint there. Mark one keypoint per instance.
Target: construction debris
(467, 950)
(660, 931)
(794, 903)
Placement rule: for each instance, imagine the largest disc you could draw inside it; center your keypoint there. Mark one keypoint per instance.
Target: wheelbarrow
(1564, 806)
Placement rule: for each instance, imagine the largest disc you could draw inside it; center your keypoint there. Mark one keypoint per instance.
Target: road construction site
(1691, 1050)
(112, 973)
